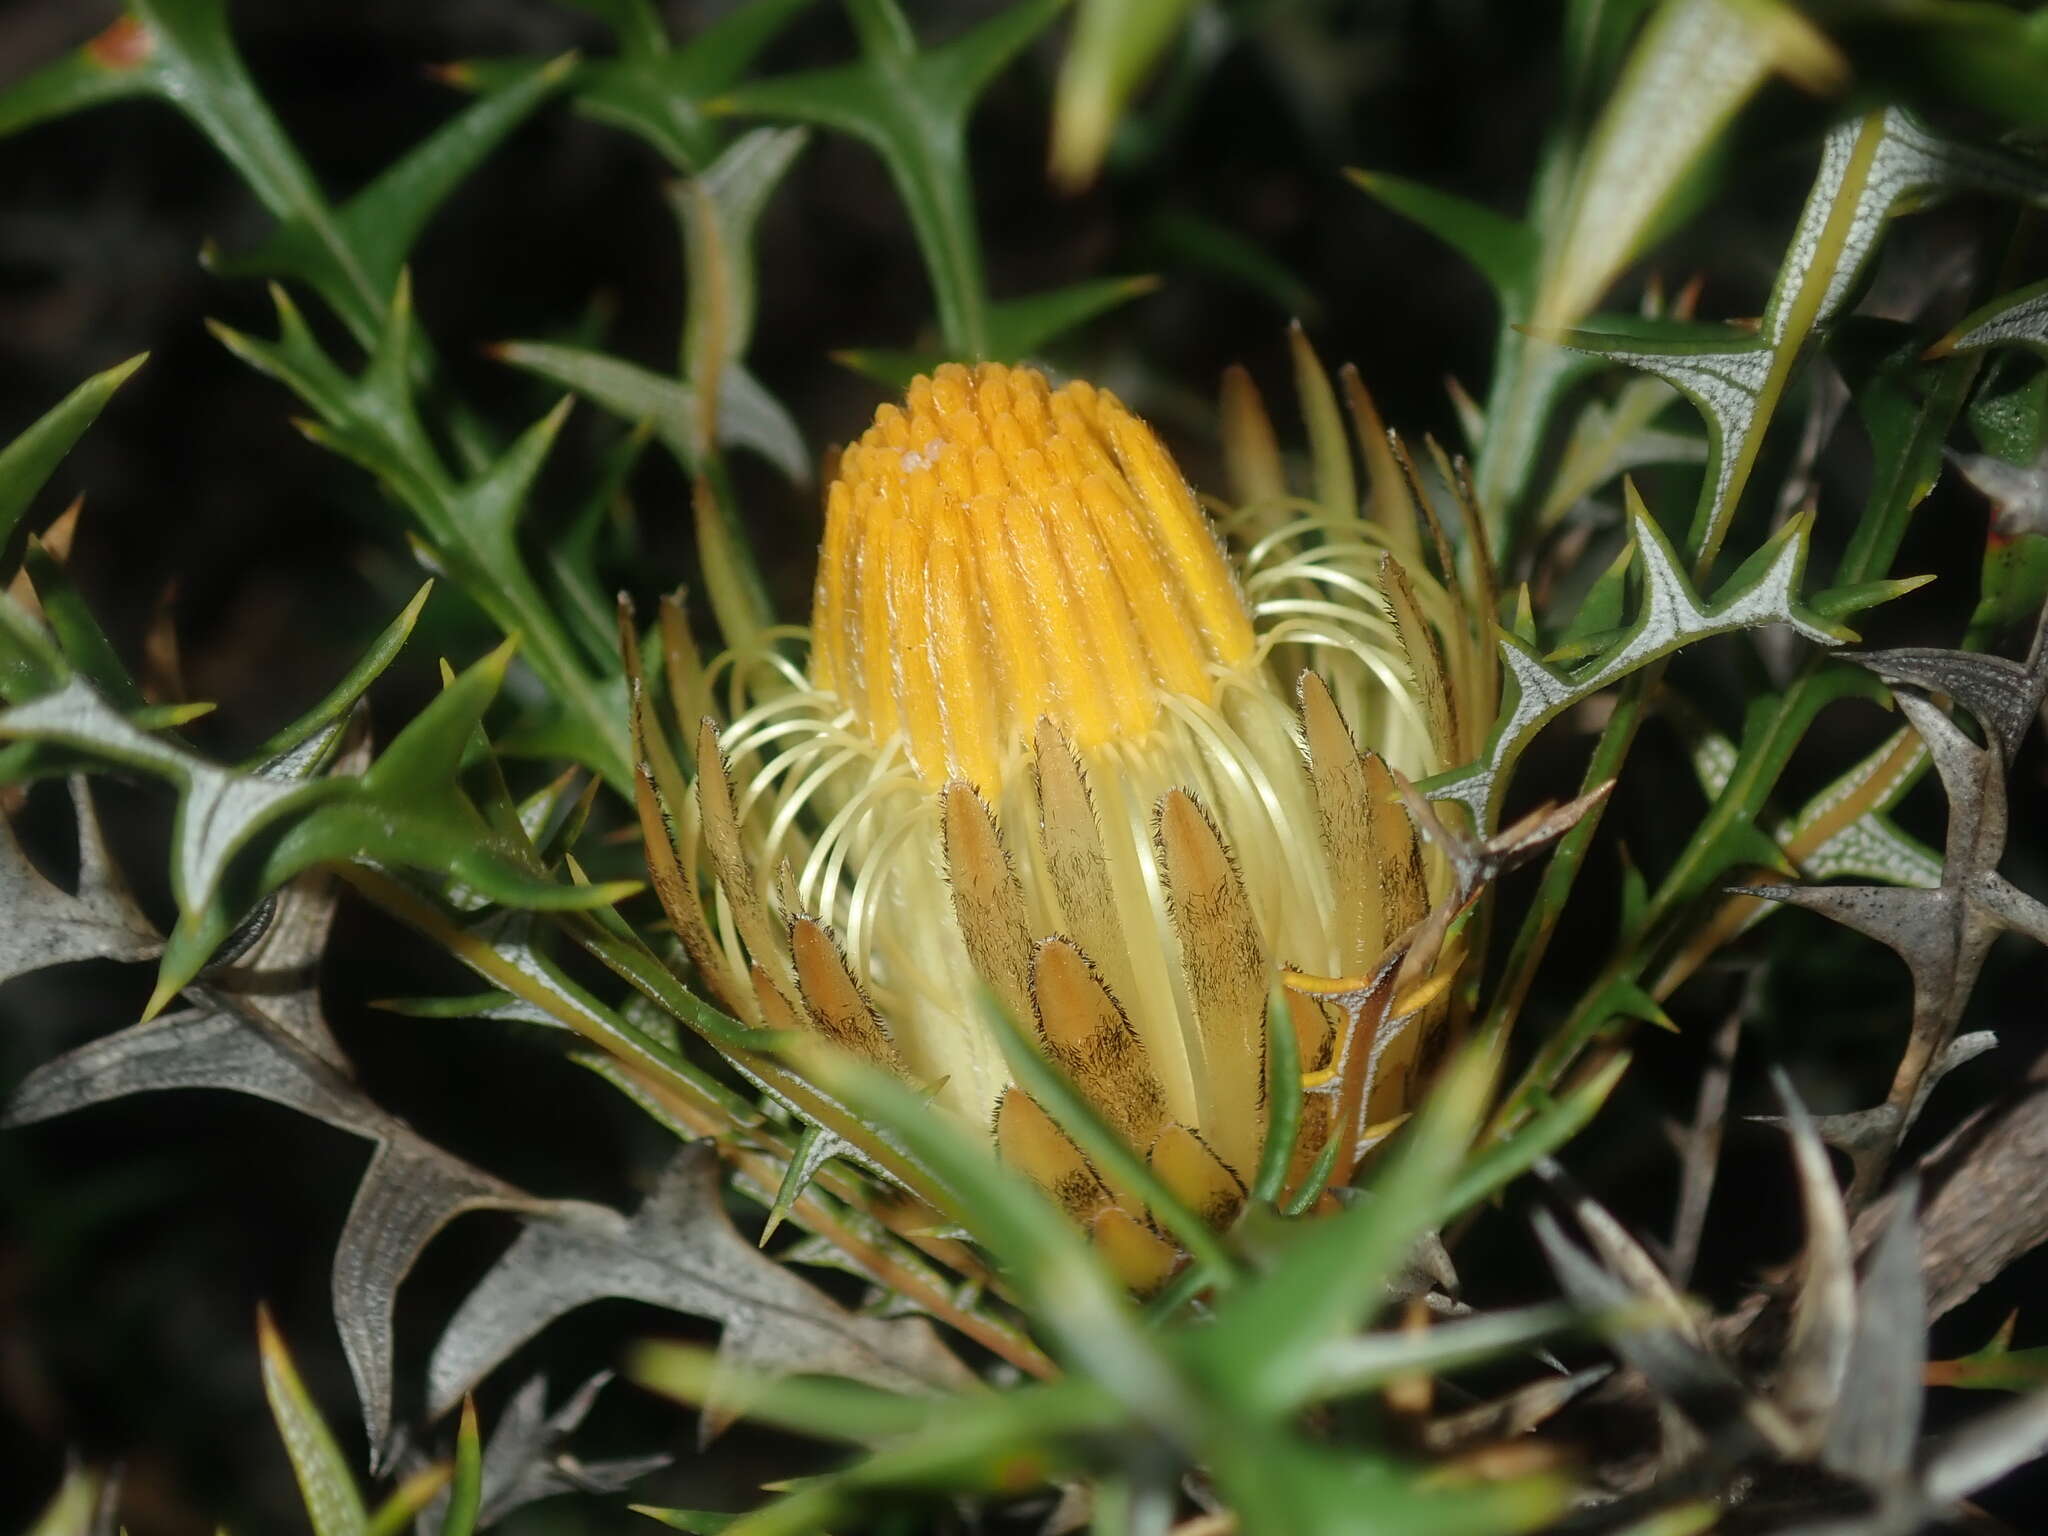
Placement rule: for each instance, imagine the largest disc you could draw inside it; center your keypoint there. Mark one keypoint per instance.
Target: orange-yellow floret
(997, 551)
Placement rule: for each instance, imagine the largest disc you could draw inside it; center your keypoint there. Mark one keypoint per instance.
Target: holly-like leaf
(256, 1028)
(351, 255)
(656, 87)
(1942, 933)
(468, 523)
(1873, 169)
(680, 1251)
(1670, 614)
(240, 836)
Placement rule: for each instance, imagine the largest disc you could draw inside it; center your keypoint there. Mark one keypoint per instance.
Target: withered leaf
(526, 1458)
(256, 1028)
(47, 925)
(1877, 1421)
(1944, 933)
(681, 1251)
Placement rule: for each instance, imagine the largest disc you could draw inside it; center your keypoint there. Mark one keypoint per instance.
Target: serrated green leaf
(1997, 1367)
(380, 224)
(466, 525)
(108, 68)
(653, 88)
(911, 106)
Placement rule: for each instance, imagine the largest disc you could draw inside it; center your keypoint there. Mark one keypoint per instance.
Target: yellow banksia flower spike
(1063, 738)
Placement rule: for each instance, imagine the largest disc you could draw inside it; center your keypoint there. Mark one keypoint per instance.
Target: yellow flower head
(1059, 742)
(998, 552)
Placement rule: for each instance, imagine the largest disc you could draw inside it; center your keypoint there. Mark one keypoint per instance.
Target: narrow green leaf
(1695, 64)
(27, 463)
(78, 634)
(30, 663)
(328, 1488)
(396, 1514)
(700, 1522)
(71, 1508)
(1283, 1066)
(1368, 1360)
(1019, 327)
(1069, 1293)
(1550, 1128)
(1269, 1336)
(911, 107)
(1504, 251)
(1190, 242)
(466, 1492)
(1114, 43)
(748, 415)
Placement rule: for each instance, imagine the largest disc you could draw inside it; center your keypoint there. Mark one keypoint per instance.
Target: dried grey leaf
(680, 1251)
(1874, 1427)
(1663, 1348)
(278, 974)
(526, 1458)
(1699, 1146)
(1505, 1417)
(47, 925)
(196, 1048)
(1999, 693)
(1986, 1449)
(257, 1028)
(1824, 1312)
(410, 1191)
(1944, 933)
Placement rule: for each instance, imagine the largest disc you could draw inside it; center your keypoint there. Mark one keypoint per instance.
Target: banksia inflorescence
(1097, 880)
(1060, 744)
